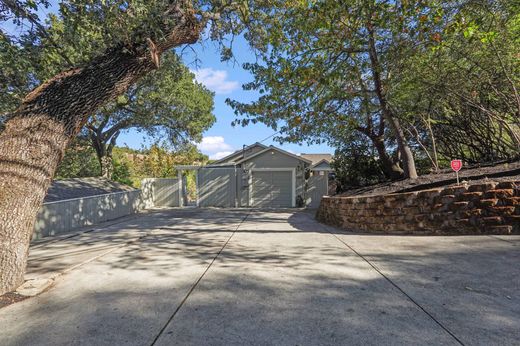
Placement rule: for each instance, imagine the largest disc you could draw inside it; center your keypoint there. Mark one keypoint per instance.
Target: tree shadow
(272, 285)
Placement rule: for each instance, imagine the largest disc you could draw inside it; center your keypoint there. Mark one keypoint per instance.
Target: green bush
(355, 165)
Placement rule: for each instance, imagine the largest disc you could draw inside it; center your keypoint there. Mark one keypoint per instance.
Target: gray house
(320, 163)
(258, 176)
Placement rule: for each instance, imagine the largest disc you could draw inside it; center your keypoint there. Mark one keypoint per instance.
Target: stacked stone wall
(487, 208)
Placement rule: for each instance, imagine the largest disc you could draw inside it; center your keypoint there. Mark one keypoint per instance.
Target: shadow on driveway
(281, 279)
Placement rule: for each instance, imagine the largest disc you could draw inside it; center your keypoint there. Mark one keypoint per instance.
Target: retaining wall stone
(486, 208)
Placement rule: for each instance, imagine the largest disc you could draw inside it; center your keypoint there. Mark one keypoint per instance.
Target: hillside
(499, 172)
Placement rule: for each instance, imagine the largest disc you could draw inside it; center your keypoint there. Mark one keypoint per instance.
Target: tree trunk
(35, 138)
(107, 166)
(103, 150)
(402, 144)
(391, 167)
(99, 147)
(404, 149)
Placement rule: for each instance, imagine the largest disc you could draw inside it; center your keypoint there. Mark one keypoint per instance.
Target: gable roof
(277, 149)
(316, 158)
(239, 152)
(317, 164)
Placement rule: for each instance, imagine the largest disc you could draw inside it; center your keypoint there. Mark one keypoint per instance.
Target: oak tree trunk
(107, 167)
(103, 150)
(35, 139)
(36, 136)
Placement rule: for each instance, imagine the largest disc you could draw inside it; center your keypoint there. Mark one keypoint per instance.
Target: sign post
(456, 165)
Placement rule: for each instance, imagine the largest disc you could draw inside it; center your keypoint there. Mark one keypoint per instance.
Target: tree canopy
(167, 104)
(123, 42)
(399, 73)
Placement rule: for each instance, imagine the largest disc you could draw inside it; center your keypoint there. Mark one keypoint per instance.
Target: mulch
(499, 172)
(10, 298)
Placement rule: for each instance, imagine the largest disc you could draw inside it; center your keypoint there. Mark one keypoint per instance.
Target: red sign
(456, 165)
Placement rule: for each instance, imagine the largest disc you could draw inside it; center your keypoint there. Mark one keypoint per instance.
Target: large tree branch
(112, 143)
(123, 124)
(187, 30)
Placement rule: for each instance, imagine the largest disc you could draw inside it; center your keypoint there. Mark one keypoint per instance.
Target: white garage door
(272, 189)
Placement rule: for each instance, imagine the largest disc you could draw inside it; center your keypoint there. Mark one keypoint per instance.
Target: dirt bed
(500, 172)
(10, 298)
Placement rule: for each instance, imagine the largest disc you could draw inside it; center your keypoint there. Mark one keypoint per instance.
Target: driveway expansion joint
(198, 281)
(501, 239)
(399, 289)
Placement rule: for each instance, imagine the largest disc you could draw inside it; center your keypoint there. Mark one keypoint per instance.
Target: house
(267, 176)
(320, 163)
(257, 176)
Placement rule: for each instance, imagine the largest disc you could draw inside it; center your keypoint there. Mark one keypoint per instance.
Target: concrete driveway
(238, 277)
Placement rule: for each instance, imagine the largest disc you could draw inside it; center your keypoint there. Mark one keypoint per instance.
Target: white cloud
(220, 154)
(216, 80)
(215, 147)
(292, 152)
(213, 144)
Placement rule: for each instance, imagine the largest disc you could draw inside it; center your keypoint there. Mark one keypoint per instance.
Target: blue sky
(225, 80)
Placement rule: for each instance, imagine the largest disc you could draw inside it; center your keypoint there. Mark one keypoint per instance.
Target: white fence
(318, 187)
(63, 216)
(59, 217)
(161, 192)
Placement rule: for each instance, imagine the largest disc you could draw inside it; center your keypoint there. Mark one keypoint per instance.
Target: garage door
(272, 189)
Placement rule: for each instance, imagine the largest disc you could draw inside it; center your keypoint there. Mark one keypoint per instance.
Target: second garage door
(271, 189)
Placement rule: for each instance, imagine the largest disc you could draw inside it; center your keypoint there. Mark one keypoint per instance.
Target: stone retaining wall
(489, 208)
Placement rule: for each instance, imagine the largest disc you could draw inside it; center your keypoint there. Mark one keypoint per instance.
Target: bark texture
(391, 167)
(36, 136)
(104, 143)
(402, 144)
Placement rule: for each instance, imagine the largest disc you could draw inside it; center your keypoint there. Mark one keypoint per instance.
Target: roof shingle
(315, 158)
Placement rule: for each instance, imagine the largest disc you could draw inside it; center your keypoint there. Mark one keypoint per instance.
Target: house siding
(268, 160)
(274, 159)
